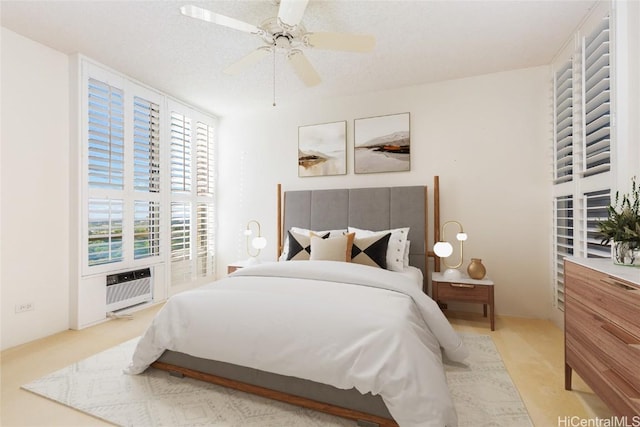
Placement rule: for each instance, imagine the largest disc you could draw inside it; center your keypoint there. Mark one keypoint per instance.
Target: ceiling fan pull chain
(274, 76)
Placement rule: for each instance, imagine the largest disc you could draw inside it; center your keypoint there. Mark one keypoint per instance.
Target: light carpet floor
(482, 390)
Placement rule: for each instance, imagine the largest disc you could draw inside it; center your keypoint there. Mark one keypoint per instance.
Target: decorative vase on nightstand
(476, 270)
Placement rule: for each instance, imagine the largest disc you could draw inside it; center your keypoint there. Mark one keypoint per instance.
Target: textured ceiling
(417, 42)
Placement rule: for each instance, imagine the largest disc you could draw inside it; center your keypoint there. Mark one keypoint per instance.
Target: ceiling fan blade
(206, 15)
(341, 41)
(246, 62)
(304, 69)
(291, 11)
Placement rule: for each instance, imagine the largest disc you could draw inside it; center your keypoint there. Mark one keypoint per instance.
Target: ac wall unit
(130, 288)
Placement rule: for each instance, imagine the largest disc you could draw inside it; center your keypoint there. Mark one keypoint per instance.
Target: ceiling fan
(285, 33)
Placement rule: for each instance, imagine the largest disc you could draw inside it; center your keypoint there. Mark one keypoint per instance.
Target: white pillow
(285, 246)
(331, 249)
(396, 248)
(406, 254)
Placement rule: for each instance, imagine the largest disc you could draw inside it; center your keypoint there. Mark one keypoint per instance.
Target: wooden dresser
(602, 330)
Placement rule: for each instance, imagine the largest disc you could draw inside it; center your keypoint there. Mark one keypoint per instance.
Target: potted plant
(622, 227)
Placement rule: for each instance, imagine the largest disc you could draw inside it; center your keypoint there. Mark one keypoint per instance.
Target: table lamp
(444, 250)
(257, 243)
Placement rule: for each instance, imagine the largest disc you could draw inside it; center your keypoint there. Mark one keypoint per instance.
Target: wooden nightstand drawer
(462, 292)
(464, 289)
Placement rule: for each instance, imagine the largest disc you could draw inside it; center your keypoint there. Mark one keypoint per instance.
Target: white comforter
(342, 324)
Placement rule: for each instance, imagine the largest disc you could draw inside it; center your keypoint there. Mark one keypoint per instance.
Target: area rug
(482, 390)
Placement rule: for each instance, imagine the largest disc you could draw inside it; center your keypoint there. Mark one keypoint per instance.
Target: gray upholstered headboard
(380, 208)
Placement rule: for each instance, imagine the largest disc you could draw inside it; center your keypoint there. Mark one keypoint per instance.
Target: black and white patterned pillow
(396, 248)
(300, 245)
(371, 250)
(284, 256)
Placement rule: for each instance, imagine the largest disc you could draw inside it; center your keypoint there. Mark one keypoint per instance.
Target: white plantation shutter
(204, 159)
(180, 152)
(147, 181)
(597, 100)
(563, 124)
(205, 214)
(146, 145)
(582, 117)
(105, 136)
(564, 242)
(105, 231)
(596, 211)
(204, 235)
(180, 242)
(146, 229)
(192, 195)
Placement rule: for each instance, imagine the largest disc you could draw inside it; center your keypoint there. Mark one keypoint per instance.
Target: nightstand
(465, 289)
(242, 264)
(236, 266)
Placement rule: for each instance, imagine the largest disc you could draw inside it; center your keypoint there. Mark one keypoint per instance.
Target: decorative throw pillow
(396, 248)
(285, 247)
(300, 245)
(331, 249)
(371, 250)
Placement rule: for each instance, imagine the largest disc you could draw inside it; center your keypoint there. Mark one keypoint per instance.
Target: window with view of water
(137, 140)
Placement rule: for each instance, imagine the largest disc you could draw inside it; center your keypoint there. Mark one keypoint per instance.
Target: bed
(368, 340)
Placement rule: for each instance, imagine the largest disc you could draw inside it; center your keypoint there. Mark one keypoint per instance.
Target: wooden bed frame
(167, 361)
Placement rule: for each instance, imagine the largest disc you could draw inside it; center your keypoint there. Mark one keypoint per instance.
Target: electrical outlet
(27, 306)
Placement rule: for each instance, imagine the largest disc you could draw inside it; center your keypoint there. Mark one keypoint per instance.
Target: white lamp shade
(259, 242)
(443, 249)
(461, 236)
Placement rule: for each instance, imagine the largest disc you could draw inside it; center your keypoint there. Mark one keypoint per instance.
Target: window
(180, 153)
(146, 229)
(105, 231)
(596, 211)
(106, 136)
(105, 172)
(204, 235)
(204, 159)
(180, 242)
(563, 241)
(146, 145)
(148, 179)
(563, 105)
(597, 100)
(192, 195)
(582, 164)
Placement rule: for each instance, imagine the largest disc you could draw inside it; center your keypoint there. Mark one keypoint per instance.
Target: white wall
(487, 137)
(34, 227)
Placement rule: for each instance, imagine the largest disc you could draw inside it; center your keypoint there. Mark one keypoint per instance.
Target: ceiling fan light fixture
(282, 41)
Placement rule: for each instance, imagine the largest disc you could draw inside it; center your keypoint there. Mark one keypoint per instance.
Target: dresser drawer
(602, 332)
(612, 298)
(606, 383)
(462, 292)
(615, 348)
